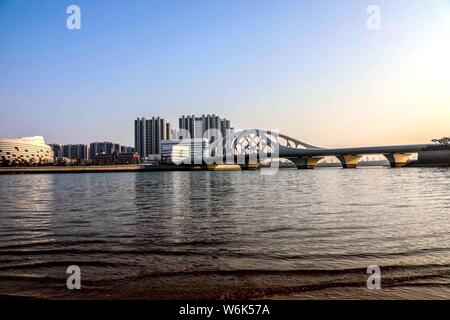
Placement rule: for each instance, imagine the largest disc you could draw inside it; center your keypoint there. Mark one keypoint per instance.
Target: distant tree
(445, 141)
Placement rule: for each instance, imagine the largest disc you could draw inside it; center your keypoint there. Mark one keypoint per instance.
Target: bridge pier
(397, 160)
(349, 161)
(250, 166)
(223, 167)
(306, 162)
(249, 162)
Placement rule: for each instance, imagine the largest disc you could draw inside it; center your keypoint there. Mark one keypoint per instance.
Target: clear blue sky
(309, 68)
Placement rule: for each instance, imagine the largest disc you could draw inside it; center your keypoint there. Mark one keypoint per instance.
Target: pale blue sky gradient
(309, 68)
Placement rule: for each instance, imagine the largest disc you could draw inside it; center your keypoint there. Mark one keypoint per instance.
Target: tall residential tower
(148, 134)
(197, 126)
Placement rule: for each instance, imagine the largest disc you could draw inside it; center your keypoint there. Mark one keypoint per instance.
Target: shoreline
(145, 168)
(112, 168)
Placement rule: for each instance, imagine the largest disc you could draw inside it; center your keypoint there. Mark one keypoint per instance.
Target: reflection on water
(27, 207)
(297, 234)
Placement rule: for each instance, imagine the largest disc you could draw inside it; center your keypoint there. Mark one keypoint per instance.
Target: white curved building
(25, 151)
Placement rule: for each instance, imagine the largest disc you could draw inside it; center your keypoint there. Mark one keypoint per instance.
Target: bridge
(250, 146)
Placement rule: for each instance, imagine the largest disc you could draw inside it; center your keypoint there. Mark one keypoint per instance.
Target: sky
(311, 69)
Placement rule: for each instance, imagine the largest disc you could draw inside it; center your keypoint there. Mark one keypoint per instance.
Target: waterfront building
(25, 151)
(116, 158)
(187, 150)
(57, 150)
(434, 155)
(126, 149)
(69, 154)
(197, 149)
(173, 151)
(197, 126)
(175, 133)
(75, 151)
(148, 134)
(64, 161)
(104, 147)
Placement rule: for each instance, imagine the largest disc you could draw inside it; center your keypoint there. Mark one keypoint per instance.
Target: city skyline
(231, 158)
(315, 68)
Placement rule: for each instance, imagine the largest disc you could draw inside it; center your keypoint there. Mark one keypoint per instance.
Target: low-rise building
(64, 161)
(104, 147)
(126, 149)
(179, 148)
(174, 152)
(116, 158)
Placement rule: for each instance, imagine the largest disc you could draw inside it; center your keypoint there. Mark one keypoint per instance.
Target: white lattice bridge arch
(252, 145)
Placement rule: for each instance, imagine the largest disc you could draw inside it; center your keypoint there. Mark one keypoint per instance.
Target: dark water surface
(297, 234)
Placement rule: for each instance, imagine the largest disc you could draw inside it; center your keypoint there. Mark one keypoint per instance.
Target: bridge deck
(285, 152)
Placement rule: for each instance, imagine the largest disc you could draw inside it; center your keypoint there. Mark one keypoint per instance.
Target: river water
(298, 234)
